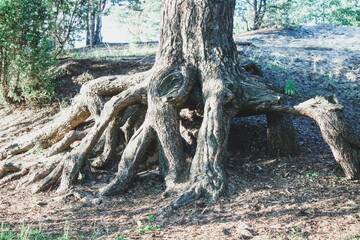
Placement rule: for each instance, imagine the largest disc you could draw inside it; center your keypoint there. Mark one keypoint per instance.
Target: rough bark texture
(344, 144)
(196, 68)
(94, 22)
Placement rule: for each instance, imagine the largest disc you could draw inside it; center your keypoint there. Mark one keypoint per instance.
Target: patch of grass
(311, 176)
(151, 218)
(114, 53)
(28, 233)
(150, 226)
(356, 237)
(276, 66)
(296, 233)
(289, 88)
(120, 237)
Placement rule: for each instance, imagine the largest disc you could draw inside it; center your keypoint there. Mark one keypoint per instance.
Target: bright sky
(113, 30)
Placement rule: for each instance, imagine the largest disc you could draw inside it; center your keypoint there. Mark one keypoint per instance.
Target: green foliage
(289, 88)
(5, 233)
(356, 237)
(346, 16)
(120, 237)
(297, 234)
(151, 218)
(312, 176)
(27, 233)
(26, 50)
(150, 227)
(289, 13)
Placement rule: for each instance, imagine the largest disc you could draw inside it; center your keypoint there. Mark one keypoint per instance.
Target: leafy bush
(346, 16)
(26, 50)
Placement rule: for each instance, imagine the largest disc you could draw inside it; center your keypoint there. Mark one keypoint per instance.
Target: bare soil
(302, 197)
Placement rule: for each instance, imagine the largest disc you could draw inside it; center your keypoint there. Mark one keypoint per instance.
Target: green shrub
(26, 50)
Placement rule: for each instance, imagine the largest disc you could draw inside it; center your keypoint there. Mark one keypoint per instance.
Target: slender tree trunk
(97, 32)
(94, 24)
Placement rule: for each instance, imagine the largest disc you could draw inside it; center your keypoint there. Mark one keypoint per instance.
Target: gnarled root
(118, 134)
(337, 133)
(126, 127)
(87, 102)
(130, 160)
(77, 159)
(168, 87)
(62, 133)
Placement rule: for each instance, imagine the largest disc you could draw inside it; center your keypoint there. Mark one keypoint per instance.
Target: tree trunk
(197, 67)
(94, 23)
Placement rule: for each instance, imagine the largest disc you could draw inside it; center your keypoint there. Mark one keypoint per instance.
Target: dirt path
(303, 197)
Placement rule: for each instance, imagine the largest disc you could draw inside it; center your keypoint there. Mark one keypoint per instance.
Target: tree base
(196, 68)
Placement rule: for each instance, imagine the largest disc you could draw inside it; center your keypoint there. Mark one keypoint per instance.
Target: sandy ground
(302, 197)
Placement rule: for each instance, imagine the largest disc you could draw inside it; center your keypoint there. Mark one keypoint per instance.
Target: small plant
(5, 233)
(28, 233)
(356, 237)
(289, 88)
(312, 176)
(296, 233)
(276, 66)
(66, 235)
(150, 227)
(151, 218)
(120, 237)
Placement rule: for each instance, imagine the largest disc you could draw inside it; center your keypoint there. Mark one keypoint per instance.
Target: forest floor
(302, 197)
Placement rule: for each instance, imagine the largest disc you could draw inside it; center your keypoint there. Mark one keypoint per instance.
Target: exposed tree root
(65, 143)
(14, 176)
(133, 154)
(118, 134)
(84, 104)
(168, 86)
(77, 158)
(61, 133)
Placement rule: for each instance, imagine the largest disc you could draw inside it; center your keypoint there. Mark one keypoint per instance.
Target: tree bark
(94, 23)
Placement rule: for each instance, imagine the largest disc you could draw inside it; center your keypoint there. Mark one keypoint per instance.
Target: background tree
(252, 14)
(68, 21)
(259, 10)
(26, 50)
(95, 10)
